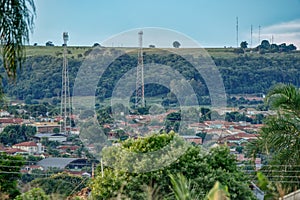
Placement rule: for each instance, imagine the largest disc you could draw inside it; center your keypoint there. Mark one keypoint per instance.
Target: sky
(212, 23)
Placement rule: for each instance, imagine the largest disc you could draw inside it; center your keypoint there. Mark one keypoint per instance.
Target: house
(30, 147)
(28, 169)
(51, 137)
(67, 148)
(192, 139)
(46, 127)
(10, 121)
(75, 164)
(15, 151)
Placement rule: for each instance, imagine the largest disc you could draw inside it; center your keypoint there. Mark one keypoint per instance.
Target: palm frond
(284, 98)
(16, 21)
(218, 192)
(182, 188)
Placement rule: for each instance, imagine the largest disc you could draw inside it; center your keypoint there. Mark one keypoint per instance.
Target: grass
(53, 50)
(214, 52)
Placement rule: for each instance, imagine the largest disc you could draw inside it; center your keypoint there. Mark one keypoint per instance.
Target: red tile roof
(14, 150)
(72, 148)
(26, 144)
(11, 120)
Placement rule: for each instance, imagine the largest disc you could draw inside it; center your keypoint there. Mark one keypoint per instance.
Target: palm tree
(218, 192)
(280, 136)
(282, 132)
(16, 21)
(183, 189)
(285, 98)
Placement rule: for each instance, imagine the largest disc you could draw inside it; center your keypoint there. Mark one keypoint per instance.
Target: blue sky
(210, 22)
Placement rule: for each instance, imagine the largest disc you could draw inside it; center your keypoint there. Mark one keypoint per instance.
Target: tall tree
(16, 21)
(280, 137)
(244, 45)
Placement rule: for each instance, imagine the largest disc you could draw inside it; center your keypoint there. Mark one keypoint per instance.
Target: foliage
(62, 183)
(182, 188)
(244, 45)
(33, 194)
(247, 73)
(16, 20)
(10, 167)
(279, 137)
(176, 44)
(14, 134)
(200, 167)
(218, 192)
(265, 46)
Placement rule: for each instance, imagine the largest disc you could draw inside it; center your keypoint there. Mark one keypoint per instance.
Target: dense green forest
(242, 73)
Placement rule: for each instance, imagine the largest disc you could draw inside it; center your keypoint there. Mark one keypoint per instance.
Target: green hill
(246, 73)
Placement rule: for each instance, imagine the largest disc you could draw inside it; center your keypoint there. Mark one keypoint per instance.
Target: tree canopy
(202, 168)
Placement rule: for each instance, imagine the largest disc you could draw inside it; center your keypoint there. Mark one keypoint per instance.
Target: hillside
(248, 73)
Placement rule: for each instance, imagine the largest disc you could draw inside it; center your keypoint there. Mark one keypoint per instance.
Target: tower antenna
(259, 34)
(140, 98)
(251, 33)
(65, 105)
(237, 32)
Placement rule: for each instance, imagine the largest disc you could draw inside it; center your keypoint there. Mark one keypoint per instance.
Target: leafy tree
(62, 184)
(33, 194)
(96, 45)
(176, 44)
(10, 167)
(16, 21)
(49, 43)
(13, 134)
(200, 167)
(56, 130)
(265, 44)
(244, 45)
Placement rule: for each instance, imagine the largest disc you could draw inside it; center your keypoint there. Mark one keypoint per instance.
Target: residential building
(30, 147)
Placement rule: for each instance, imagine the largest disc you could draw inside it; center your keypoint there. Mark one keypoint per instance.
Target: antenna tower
(65, 105)
(237, 32)
(251, 33)
(140, 98)
(259, 34)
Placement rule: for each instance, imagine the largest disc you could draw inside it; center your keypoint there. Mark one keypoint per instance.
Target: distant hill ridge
(249, 73)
